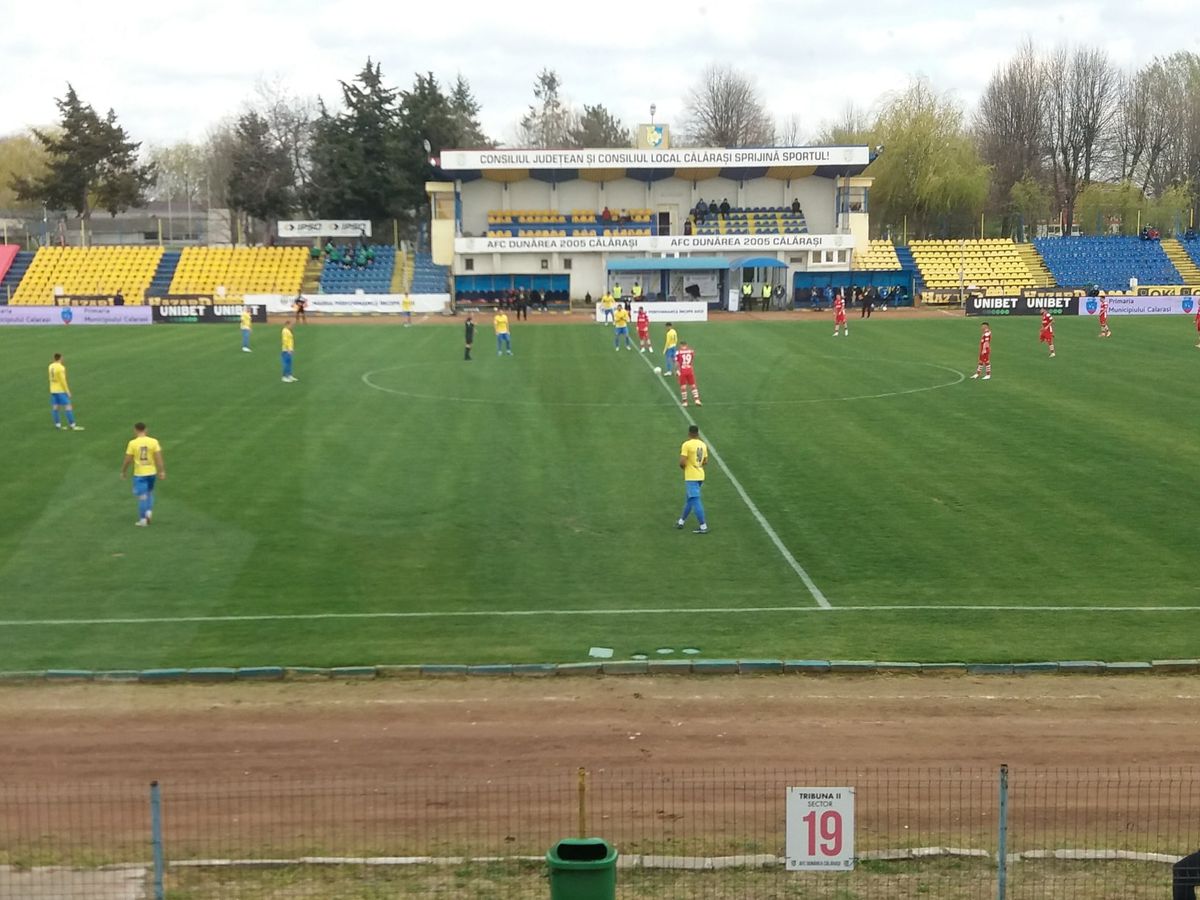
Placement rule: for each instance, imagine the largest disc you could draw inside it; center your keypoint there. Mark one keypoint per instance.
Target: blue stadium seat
(1108, 262)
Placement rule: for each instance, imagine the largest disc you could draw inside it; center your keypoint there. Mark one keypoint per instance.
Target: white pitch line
(737, 486)
(516, 613)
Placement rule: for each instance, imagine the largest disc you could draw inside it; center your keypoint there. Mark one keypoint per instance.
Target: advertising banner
(310, 228)
(650, 158)
(352, 304)
(1062, 303)
(1140, 306)
(70, 315)
(688, 311)
(721, 243)
(820, 829)
(207, 313)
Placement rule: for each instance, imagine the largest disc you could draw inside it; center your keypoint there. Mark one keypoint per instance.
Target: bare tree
(1080, 107)
(787, 131)
(724, 109)
(852, 126)
(291, 122)
(549, 121)
(1009, 125)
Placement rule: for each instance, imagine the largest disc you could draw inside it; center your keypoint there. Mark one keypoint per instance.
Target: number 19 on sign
(820, 829)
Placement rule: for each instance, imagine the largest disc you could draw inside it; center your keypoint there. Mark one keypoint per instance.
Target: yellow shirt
(142, 449)
(637, 291)
(672, 338)
(406, 303)
(696, 452)
(58, 379)
(621, 317)
(500, 323)
(246, 319)
(617, 291)
(607, 301)
(289, 342)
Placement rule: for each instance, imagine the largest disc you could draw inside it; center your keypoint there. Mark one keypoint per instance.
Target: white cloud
(171, 70)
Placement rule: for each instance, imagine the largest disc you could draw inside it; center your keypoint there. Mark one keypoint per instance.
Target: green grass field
(540, 491)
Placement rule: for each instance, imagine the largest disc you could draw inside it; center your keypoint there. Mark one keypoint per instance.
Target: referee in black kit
(469, 328)
(1185, 877)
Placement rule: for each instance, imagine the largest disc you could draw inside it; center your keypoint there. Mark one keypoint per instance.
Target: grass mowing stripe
(759, 517)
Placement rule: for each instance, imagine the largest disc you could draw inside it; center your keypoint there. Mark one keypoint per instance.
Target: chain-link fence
(951, 833)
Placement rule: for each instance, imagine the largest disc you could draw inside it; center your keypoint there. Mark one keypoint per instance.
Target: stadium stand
(909, 266)
(89, 272)
(992, 264)
(1108, 262)
(240, 270)
(1036, 265)
(1184, 255)
(8, 255)
(579, 222)
(374, 278)
(752, 220)
(428, 278)
(880, 256)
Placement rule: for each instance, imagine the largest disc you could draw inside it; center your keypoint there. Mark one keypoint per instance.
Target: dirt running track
(529, 726)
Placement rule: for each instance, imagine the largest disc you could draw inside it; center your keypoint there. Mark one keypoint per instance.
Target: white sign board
(820, 829)
(688, 311)
(656, 244)
(310, 228)
(683, 158)
(352, 304)
(1140, 306)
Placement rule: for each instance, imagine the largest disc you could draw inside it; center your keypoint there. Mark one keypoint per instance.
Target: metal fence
(920, 833)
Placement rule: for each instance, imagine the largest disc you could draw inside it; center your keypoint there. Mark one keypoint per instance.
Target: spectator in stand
(330, 249)
(360, 258)
(687, 227)
(724, 208)
(606, 215)
(314, 252)
(370, 255)
(118, 298)
(701, 211)
(713, 209)
(796, 205)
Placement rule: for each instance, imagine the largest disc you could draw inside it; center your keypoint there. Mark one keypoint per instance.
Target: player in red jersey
(985, 353)
(1104, 331)
(1198, 329)
(839, 315)
(684, 359)
(1047, 334)
(643, 328)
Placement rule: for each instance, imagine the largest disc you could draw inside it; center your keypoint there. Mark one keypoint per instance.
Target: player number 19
(827, 826)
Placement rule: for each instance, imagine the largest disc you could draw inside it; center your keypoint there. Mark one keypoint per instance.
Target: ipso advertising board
(1141, 306)
(75, 315)
(333, 228)
(820, 829)
(665, 312)
(352, 304)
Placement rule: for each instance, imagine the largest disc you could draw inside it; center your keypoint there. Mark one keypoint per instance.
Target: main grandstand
(568, 221)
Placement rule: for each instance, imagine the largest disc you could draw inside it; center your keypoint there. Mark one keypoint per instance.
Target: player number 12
(829, 827)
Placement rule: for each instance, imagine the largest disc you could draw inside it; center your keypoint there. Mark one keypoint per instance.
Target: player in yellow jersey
(288, 347)
(246, 320)
(60, 394)
(672, 340)
(621, 320)
(503, 338)
(693, 457)
(144, 453)
(607, 304)
(407, 304)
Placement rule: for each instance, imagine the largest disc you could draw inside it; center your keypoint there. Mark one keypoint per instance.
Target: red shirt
(985, 344)
(839, 306)
(1104, 309)
(683, 359)
(643, 320)
(1047, 322)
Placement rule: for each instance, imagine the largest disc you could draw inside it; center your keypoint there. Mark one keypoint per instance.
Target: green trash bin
(582, 869)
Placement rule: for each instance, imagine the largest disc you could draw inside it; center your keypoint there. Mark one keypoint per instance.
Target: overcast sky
(170, 69)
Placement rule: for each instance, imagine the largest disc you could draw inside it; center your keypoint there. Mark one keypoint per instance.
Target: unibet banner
(207, 313)
(1065, 303)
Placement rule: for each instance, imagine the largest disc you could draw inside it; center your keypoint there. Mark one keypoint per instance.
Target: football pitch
(400, 505)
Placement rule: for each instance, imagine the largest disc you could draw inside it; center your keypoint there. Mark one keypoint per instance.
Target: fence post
(1002, 839)
(582, 802)
(156, 838)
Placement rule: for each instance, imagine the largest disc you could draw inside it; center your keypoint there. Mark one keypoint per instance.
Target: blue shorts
(693, 488)
(143, 484)
(670, 354)
(60, 399)
(622, 329)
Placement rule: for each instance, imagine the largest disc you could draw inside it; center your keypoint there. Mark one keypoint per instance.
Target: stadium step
(12, 278)
(402, 273)
(1036, 265)
(160, 284)
(909, 265)
(311, 283)
(1180, 259)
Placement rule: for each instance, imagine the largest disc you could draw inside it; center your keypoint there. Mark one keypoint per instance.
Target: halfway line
(737, 485)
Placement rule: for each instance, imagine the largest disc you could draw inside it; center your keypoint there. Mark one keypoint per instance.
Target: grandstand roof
(695, 163)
